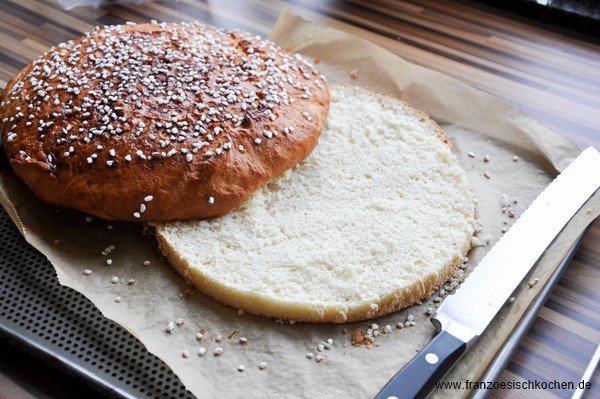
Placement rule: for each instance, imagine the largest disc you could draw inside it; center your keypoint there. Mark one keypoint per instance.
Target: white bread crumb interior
(377, 218)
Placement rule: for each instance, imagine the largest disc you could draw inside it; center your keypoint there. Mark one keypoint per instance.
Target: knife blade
(463, 316)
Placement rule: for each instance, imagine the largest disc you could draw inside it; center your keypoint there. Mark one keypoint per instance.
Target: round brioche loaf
(376, 219)
(159, 122)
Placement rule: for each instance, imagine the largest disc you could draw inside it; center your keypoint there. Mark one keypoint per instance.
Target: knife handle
(419, 376)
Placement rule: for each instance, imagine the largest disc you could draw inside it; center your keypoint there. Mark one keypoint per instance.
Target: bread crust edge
(256, 304)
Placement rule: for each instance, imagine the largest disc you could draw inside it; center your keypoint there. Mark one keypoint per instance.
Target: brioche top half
(159, 122)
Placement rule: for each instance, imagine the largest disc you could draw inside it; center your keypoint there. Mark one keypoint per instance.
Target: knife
(463, 316)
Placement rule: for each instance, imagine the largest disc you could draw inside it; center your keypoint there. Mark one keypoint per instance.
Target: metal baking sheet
(62, 327)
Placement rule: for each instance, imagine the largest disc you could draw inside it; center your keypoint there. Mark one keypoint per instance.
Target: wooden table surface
(552, 74)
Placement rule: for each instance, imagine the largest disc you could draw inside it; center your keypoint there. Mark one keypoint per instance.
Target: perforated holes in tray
(33, 302)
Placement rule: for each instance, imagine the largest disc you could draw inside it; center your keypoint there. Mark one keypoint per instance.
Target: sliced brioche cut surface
(376, 219)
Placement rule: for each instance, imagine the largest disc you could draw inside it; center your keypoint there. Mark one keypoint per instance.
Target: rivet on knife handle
(419, 376)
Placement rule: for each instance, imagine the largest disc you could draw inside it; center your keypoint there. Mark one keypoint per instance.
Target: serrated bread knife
(463, 316)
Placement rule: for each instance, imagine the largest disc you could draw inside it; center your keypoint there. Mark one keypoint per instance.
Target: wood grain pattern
(551, 74)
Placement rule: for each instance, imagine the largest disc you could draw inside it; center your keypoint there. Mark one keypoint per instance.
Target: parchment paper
(475, 122)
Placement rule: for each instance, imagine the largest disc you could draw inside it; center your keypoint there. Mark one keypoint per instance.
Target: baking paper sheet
(475, 121)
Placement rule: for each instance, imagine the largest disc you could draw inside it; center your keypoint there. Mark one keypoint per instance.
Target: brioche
(159, 122)
(376, 219)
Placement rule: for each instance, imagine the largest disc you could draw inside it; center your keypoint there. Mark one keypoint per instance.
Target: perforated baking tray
(59, 325)
(63, 327)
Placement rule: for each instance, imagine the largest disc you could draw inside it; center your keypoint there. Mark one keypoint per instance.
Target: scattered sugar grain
(87, 272)
(534, 282)
(201, 351)
(170, 327)
(218, 351)
(262, 365)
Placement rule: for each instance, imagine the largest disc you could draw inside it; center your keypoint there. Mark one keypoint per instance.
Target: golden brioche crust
(160, 122)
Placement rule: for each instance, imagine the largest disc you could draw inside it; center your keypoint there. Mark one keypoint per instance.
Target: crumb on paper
(233, 333)
(354, 74)
(359, 338)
